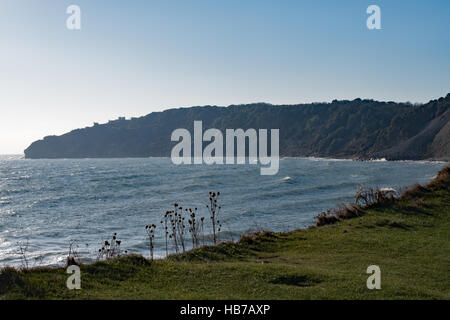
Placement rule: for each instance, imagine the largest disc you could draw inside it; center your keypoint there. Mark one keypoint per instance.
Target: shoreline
(326, 262)
(313, 158)
(55, 258)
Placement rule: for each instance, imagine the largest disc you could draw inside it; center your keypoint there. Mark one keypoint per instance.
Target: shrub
(442, 179)
(110, 249)
(73, 257)
(368, 197)
(341, 213)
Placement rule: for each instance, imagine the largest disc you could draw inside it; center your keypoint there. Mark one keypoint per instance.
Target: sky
(131, 58)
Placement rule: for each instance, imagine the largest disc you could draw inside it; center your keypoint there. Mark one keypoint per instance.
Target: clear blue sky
(134, 57)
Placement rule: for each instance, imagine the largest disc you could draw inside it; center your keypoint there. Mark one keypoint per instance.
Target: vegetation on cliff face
(407, 238)
(356, 129)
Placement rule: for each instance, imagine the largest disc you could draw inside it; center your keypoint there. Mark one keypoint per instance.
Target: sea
(48, 205)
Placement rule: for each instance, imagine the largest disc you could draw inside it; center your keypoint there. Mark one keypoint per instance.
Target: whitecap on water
(285, 179)
(7, 212)
(387, 189)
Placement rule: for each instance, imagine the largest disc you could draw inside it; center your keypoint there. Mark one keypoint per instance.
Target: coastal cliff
(359, 129)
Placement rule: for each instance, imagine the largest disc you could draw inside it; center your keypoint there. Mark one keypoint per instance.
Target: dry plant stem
(23, 251)
(166, 232)
(150, 228)
(214, 210)
(110, 249)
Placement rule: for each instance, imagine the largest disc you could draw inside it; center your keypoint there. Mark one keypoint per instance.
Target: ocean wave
(320, 159)
(286, 179)
(125, 195)
(377, 160)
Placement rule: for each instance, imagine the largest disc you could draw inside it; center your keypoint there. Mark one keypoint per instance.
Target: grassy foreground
(408, 239)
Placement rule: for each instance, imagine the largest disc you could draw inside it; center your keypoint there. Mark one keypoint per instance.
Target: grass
(408, 238)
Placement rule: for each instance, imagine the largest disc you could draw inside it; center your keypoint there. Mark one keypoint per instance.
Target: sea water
(44, 204)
